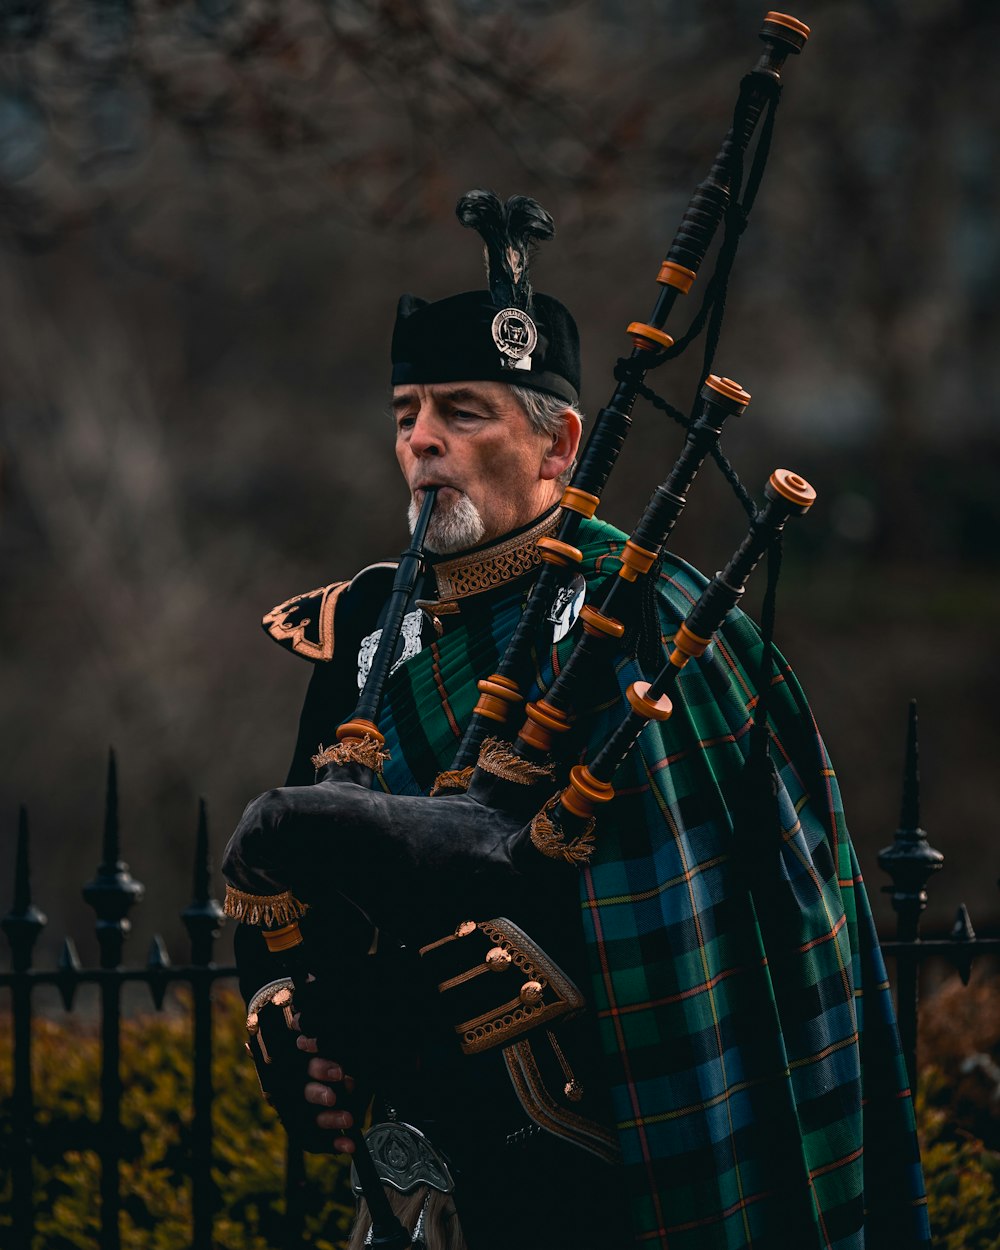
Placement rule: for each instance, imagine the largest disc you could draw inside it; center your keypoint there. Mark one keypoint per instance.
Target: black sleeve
(333, 691)
(282, 1074)
(330, 699)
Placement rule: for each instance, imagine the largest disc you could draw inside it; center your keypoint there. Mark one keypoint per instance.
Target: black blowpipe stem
(410, 564)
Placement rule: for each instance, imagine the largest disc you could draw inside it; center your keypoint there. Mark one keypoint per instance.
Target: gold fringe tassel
(545, 837)
(265, 910)
(499, 759)
(452, 781)
(366, 751)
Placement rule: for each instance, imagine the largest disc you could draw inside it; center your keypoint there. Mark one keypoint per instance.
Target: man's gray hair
(545, 412)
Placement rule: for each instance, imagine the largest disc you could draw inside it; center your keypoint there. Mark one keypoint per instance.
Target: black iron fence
(910, 862)
(112, 893)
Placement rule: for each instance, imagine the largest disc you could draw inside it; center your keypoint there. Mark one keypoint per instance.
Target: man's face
(475, 442)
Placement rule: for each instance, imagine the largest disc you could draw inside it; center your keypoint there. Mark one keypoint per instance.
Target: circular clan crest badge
(515, 335)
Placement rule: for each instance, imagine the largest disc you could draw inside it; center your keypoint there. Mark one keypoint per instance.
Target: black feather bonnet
(505, 334)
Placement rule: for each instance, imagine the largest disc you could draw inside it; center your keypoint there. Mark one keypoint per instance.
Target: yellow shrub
(962, 1175)
(248, 1147)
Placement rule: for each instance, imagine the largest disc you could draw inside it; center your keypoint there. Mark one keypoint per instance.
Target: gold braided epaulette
(304, 623)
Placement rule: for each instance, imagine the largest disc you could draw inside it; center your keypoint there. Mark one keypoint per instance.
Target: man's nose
(427, 436)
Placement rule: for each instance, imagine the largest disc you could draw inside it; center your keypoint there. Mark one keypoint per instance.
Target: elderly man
(725, 1070)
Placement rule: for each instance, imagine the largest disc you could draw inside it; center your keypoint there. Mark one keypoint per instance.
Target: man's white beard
(455, 524)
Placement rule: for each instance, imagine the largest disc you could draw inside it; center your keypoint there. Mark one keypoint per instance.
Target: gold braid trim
(545, 837)
(487, 568)
(367, 751)
(452, 781)
(263, 909)
(499, 759)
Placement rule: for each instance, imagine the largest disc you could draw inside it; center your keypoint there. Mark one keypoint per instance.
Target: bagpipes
(494, 838)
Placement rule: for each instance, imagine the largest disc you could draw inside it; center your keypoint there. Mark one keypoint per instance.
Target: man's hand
(319, 1092)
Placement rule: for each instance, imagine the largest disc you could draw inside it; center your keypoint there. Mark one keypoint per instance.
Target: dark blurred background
(207, 212)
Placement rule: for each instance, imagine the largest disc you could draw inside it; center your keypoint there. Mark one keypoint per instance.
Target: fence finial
(911, 860)
(111, 843)
(202, 864)
(157, 963)
(69, 973)
(24, 922)
(203, 917)
(909, 808)
(963, 935)
(114, 890)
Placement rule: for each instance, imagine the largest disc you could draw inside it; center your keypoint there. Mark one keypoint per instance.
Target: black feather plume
(508, 232)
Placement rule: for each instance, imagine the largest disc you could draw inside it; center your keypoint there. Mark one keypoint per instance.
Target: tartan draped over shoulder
(758, 1085)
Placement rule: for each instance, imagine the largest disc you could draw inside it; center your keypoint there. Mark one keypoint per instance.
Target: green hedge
(962, 1174)
(958, 1109)
(156, 1116)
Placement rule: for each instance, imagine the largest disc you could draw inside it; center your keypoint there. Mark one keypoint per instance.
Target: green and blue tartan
(759, 1089)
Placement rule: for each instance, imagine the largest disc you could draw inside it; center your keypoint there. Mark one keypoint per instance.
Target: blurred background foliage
(207, 211)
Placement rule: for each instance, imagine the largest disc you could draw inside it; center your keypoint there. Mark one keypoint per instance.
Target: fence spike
(911, 860)
(157, 962)
(69, 970)
(111, 842)
(24, 922)
(158, 957)
(204, 916)
(909, 808)
(962, 931)
(202, 864)
(22, 871)
(114, 890)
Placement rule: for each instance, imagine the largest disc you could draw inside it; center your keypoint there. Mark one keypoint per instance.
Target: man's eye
(463, 415)
(406, 423)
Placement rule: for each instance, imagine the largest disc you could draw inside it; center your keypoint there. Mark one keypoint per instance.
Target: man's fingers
(307, 1043)
(335, 1120)
(320, 1095)
(325, 1070)
(343, 1145)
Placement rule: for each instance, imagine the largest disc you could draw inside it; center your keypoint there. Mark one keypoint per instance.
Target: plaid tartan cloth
(759, 1089)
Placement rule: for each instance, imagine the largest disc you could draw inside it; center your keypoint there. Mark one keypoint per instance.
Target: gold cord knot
(551, 841)
(452, 781)
(367, 751)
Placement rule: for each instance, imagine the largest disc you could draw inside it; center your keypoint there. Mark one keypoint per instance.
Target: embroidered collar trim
(489, 567)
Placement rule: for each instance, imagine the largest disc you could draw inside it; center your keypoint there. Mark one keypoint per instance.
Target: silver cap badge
(515, 335)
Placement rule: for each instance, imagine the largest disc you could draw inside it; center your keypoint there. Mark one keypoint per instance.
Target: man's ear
(564, 447)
